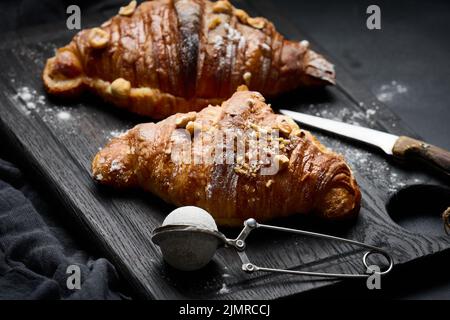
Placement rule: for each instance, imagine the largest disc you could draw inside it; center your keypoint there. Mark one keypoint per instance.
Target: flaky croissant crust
(169, 56)
(312, 180)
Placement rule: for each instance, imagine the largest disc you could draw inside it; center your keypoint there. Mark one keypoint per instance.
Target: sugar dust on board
(389, 91)
(30, 102)
(361, 160)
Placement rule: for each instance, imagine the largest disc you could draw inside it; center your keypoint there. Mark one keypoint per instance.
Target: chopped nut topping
(129, 9)
(286, 125)
(287, 141)
(106, 23)
(192, 127)
(284, 143)
(222, 6)
(258, 96)
(214, 23)
(242, 87)
(257, 23)
(183, 120)
(298, 133)
(259, 130)
(246, 170)
(292, 123)
(239, 170)
(254, 126)
(269, 183)
(241, 15)
(247, 78)
(284, 128)
(304, 43)
(120, 88)
(98, 38)
(282, 160)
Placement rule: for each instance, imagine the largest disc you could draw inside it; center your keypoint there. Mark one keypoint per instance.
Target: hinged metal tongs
(247, 266)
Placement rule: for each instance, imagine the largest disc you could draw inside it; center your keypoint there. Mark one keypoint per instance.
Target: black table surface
(405, 64)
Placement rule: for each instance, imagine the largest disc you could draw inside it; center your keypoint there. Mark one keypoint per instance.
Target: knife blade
(401, 147)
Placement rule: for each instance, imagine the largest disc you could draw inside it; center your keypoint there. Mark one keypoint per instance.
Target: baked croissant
(181, 160)
(169, 56)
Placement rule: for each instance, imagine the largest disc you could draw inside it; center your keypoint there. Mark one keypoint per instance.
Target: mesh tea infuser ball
(188, 238)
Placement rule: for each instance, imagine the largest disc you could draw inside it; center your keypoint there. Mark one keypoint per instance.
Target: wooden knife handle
(407, 148)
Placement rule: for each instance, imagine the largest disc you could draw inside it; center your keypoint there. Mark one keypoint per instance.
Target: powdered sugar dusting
(364, 161)
(116, 165)
(218, 42)
(224, 289)
(63, 115)
(27, 99)
(357, 117)
(387, 92)
(229, 40)
(232, 33)
(116, 133)
(367, 164)
(208, 191)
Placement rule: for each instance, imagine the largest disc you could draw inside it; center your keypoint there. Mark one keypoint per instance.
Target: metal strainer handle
(247, 266)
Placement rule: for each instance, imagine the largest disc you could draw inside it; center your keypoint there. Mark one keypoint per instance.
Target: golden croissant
(182, 160)
(169, 56)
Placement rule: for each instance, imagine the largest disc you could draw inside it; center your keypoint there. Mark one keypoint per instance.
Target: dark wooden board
(57, 141)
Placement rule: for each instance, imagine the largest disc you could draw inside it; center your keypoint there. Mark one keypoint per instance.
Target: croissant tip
(62, 75)
(320, 68)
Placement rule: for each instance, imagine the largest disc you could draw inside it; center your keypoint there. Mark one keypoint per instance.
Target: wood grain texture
(60, 150)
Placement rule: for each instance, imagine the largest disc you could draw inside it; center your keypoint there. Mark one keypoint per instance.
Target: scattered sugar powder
(387, 92)
(116, 133)
(232, 34)
(362, 161)
(208, 191)
(27, 99)
(344, 114)
(25, 94)
(218, 42)
(115, 165)
(232, 38)
(64, 115)
(224, 289)
(368, 165)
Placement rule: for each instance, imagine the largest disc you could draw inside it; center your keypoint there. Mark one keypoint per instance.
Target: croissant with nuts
(169, 56)
(236, 161)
